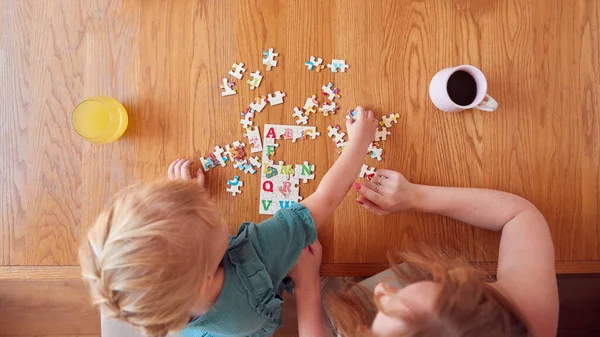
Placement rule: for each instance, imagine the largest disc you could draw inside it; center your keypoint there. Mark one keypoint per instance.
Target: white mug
(438, 91)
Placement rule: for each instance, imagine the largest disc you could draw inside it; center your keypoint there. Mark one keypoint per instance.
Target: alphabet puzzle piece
(236, 152)
(254, 82)
(387, 120)
(311, 105)
(375, 151)
(255, 161)
(276, 99)
(235, 185)
(336, 65)
(269, 59)
(237, 70)
(314, 64)
(207, 163)
(331, 92)
(304, 172)
(381, 134)
(328, 108)
(218, 154)
(253, 135)
(247, 120)
(300, 115)
(334, 134)
(367, 172)
(227, 88)
(259, 103)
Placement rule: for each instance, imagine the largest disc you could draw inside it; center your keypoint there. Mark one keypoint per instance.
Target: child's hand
(306, 271)
(361, 129)
(180, 169)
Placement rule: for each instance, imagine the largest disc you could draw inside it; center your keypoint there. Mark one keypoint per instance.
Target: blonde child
(160, 258)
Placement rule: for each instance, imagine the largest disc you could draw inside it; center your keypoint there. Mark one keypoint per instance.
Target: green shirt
(256, 263)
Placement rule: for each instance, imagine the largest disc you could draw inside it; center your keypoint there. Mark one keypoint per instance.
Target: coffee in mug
(460, 88)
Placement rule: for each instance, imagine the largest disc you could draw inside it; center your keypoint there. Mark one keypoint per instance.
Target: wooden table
(164, 60)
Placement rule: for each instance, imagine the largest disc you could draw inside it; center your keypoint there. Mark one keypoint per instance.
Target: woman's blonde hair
(145, 259)
(466, 305)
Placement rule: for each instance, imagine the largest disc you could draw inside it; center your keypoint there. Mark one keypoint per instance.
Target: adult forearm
(482, 208)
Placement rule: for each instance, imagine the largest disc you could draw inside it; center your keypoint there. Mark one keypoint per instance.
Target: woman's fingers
(171, 170)
(370, 194)
(185, 170)
(387, 173)
(370, 206)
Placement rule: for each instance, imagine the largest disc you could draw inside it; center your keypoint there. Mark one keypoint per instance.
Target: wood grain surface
(164, 60)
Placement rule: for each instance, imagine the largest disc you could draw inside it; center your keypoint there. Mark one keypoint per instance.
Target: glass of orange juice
(99, 119)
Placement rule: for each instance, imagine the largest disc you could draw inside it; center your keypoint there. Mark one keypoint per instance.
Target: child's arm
(312, 320)
(337, 182)
(526, 260)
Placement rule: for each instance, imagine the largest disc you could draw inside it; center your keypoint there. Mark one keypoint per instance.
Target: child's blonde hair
(146, 257)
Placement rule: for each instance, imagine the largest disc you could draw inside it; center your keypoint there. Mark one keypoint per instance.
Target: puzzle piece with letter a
(331, 92)
(336, 65)
(335, 134)
(237, 70)
(387, 120)
(276, 99)
(259, 103)
(254, 82)
(311, 105)
(227, 88)
(269, 59)
(367, 172)
(234, 185)
(314, 64)
(300, 115)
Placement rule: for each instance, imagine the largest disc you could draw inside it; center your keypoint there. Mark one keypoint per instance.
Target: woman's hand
(388, 192)
(305, 273)
(361, 130)
(180, 169)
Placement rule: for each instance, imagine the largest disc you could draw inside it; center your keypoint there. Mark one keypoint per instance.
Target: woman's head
(151, 252)
(445, 297)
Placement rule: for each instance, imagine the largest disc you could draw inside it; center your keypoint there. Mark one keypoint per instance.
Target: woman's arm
(338, 180)
(526, 270)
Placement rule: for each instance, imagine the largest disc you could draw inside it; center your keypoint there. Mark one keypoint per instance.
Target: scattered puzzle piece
(277, 99)
(259, 103)
(236, 152)
(247, 120)
(381, 134)
(367, 172)
(237, 70)
(375, 151)
(311, 105)
(329, 108)
(352, 115)
(305, 172)
(336, 65)
(255, 80)
(269, 59)
(314, 64)
(253, 135)
(300, 115)
(207, 163)
(338, 137)
(218, 155)
(235, 185)
(255, 161)
(227, 88)
(331, 92)
(387, 120)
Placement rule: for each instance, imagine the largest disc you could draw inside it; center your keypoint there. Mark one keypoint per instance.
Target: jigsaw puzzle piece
(381, 134)
(336, 65)
(234, 185)
(259, 103)
(254, 82)
(329, 108)
(253, 135)
(304, 172)
(227, 88)
(367, 172)
(237, 70)
(387, 120)
(276, 99)
(331, 92)
(311, 105)
(314, 64)
(269, 59)
(300, 115)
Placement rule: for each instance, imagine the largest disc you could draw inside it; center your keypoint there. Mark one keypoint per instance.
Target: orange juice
(99, 119)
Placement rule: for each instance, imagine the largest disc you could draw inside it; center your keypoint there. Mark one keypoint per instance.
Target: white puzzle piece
(235, 185)
(276, 99)
(330, 92)
(381, 134)
(235, 151)
(247, 120)
(328, 108)
(336, 65)
(269, 59)
(255, 161)
(335, 134)
(237, 70)
(218, 154)
(367, 172)
(314, 64)
(311, 105)
(300, 115)
(253, 135)
(375, 152)
(387, 120)
(254, 82)
(227, 88)
(304, 172)
(259, 103)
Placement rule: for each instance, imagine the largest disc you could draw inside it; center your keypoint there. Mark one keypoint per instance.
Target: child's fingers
(370, 114)
(349, 123)
(370, 206)
(171, 170)
(360, 113)
(177, 168)
(185, 170)
(200, 177)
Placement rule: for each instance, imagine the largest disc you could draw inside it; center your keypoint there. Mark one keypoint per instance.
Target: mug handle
(490, 105)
